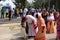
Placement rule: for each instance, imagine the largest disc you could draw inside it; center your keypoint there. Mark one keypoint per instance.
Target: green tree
(58, 5)
(40, 3)
(37, 3)
(17, 1)
(27, 4)
(21, 1)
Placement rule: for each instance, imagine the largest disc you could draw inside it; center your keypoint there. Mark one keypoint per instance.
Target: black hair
(27, 12)
(32, 13)
(36, 15)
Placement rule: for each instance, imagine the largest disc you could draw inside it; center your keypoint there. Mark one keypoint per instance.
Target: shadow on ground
(53, 39)
(19, 38)
(18, 35)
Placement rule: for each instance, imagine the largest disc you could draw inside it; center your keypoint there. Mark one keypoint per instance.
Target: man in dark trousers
(9, 14)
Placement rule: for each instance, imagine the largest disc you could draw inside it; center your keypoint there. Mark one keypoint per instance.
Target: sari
(58, 27)
(41, 34)
(31, 25)
(50, 24)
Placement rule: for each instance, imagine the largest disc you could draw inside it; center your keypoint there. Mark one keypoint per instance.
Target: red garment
(58, 27)
(34, 25)
(9, 11)
(56, 16)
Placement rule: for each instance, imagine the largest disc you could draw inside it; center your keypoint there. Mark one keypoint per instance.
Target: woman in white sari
(31, 25)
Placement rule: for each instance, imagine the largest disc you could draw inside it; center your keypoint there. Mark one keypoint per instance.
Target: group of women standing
(42, 23)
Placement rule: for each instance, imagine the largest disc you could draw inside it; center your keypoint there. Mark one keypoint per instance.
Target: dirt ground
(12, 31)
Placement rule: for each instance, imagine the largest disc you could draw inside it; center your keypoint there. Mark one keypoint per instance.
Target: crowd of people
(7, 12)
(38, 22)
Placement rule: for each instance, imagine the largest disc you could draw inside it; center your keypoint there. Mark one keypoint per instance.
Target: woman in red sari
(58, 27)
(41, 34)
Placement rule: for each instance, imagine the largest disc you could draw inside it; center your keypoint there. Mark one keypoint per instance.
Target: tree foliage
(40, 3)
(27, 4)
(58, 5)
(37, 3)
(21, 1)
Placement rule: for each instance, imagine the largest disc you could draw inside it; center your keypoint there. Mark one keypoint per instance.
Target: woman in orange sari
(50, 24)
(41, 34)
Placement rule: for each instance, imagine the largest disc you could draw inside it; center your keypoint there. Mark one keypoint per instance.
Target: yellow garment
(50, 26)
(17, 10)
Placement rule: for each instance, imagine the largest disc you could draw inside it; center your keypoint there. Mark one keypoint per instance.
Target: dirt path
(12, 31)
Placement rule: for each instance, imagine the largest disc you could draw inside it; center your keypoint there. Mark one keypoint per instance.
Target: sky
(30, 1)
